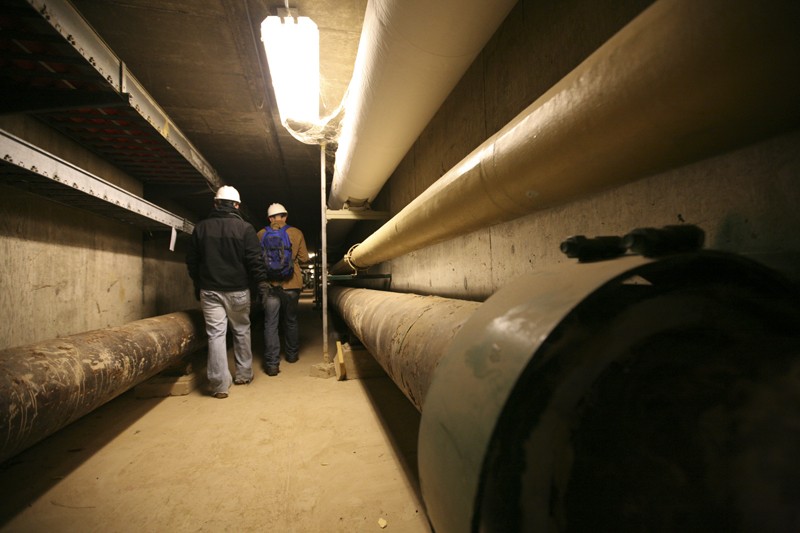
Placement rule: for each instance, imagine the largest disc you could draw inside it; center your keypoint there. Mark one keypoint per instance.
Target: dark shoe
(240, 381)
(220, 395)
(272, 370)
(292, 359)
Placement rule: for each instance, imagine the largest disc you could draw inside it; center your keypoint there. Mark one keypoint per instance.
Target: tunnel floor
(285, 453)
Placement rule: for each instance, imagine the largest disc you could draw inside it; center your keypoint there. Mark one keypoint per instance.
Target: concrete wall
(745, 200)
(66, 271)
(166, 286)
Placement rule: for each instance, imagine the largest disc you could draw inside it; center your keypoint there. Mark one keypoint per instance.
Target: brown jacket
(299, 254)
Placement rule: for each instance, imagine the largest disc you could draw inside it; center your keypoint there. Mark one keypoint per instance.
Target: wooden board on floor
(178, 380)
(355, 362)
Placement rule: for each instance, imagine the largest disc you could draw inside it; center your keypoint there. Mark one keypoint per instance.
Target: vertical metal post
(324, 251)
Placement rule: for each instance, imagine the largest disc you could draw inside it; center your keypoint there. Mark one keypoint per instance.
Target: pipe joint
(348, 260)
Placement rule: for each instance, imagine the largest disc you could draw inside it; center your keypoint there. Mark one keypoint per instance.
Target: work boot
(272, 370)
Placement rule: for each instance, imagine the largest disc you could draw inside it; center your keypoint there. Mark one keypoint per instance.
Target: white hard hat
(226, 192)
(276, 209)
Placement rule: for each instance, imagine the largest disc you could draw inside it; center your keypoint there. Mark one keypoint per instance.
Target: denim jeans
(219, 308)
(281, 307)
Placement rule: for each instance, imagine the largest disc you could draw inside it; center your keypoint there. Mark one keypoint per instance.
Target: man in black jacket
(224, 256)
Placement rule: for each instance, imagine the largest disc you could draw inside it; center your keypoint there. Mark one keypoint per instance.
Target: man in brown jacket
(283, 295)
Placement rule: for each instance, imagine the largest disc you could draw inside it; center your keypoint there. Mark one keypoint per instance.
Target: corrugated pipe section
(411, 55)
(47, 385)
(682, 81)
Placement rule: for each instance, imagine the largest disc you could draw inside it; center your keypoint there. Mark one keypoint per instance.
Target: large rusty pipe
(624, 395)
(404, 332)
(682, 81)
(47, 385)
(620, 395)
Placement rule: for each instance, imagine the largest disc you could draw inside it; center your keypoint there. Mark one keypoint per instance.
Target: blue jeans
(281, 307)
(219, 308)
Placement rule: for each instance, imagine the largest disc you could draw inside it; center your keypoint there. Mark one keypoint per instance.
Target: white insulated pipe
(682, 81)
(410, 56)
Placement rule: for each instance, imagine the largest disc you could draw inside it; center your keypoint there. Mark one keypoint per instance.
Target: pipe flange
(554, 387)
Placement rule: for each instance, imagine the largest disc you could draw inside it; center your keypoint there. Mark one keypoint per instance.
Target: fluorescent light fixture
(292, 46)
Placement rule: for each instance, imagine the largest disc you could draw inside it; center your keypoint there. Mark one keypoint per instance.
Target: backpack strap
(285, 230)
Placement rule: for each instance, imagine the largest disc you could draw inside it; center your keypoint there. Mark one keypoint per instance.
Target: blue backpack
(276, 248)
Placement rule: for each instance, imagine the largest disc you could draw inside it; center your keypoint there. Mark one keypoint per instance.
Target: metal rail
(71, 25)
(27, 166)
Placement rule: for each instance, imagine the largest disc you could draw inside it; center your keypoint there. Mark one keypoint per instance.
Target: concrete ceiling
(204, 64)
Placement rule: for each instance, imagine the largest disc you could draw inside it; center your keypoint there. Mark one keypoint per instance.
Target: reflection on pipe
(682, 81)
(47, 385)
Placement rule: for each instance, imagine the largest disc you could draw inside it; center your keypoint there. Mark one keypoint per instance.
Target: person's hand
(263, 289)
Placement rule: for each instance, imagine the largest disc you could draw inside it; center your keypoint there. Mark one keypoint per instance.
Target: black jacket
(224, 253)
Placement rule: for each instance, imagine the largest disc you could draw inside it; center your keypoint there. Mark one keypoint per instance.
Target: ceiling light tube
(292, 47)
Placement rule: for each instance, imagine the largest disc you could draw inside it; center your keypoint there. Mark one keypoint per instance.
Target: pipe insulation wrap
(620, 395)
(403, 332)
(682, 81)
(410, 56)
(49, 384)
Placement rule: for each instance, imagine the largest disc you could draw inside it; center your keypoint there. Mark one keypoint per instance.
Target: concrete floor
(292, 453)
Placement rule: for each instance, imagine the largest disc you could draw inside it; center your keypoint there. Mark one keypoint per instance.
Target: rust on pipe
(47, 385)
(405, 333)
(682, 81)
